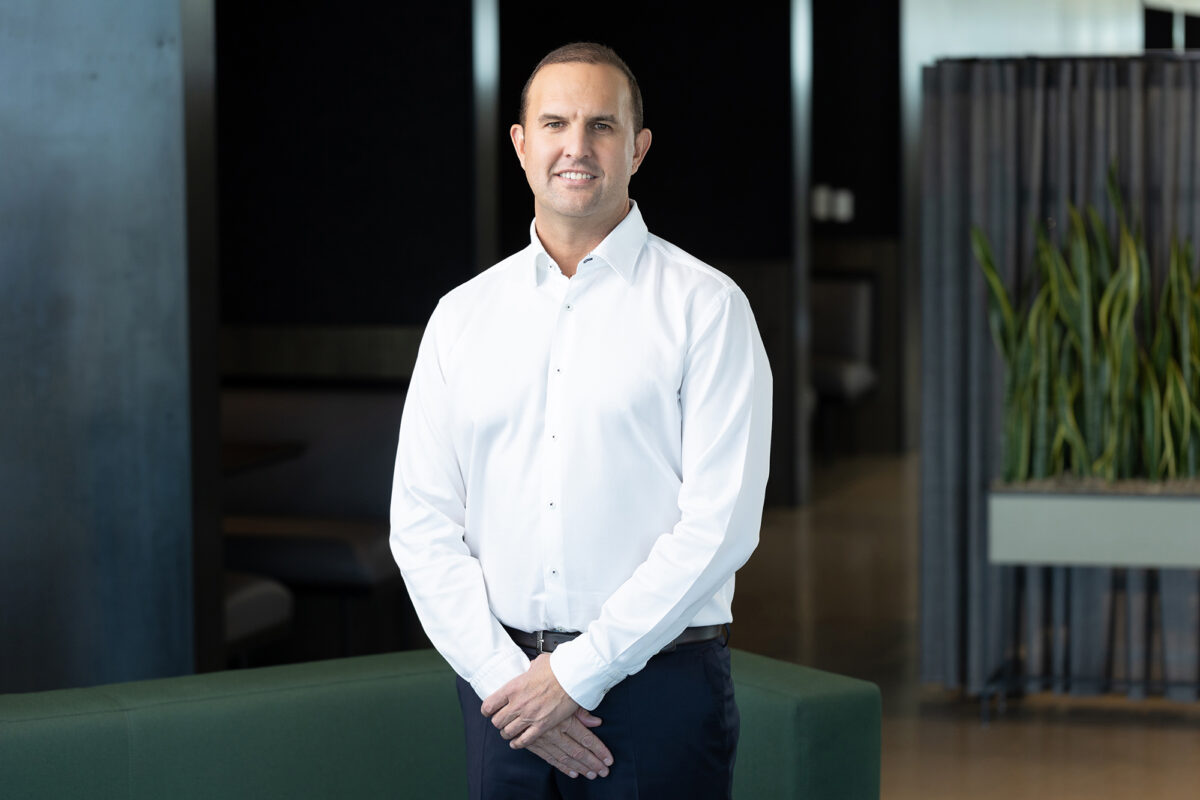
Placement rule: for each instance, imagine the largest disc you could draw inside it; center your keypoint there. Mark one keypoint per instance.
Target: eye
(554, 124)
(602, 126)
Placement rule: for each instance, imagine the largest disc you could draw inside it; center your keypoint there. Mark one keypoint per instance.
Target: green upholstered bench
(379, 726)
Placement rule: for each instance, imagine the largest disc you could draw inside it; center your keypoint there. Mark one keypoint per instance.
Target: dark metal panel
(197, 25)
(95, 538)
(485, 70)
(801, 84)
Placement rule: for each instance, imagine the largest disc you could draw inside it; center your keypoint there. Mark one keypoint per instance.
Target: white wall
(933, 29)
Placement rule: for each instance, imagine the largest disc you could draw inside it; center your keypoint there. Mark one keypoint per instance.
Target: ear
(641, 143)
(517, 133)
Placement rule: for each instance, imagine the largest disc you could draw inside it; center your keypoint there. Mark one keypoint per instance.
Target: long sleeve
(428, 516)
(725, 400)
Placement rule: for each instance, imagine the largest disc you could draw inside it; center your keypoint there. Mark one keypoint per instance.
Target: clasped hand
(533, 712)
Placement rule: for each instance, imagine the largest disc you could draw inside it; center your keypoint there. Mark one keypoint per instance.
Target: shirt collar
(619, 250)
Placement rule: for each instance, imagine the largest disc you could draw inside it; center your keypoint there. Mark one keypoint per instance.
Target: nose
(578, 143)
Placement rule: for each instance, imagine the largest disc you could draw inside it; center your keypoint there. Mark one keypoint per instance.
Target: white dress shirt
(585, 454)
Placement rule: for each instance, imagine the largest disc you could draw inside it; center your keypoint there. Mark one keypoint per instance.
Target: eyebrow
(609, 118)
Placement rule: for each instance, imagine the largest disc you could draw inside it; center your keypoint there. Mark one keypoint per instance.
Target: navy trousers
(672, 729)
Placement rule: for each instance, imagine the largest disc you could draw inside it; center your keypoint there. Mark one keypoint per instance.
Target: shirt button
(554, 572)
(552, 505)
(570, 307)
(558, 370)
(554, 436)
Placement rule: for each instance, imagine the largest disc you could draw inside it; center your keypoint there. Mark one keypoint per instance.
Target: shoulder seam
(690, 261)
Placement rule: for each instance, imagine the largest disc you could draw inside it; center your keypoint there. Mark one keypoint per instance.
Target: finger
(506, 716)
(520, 728)
(577, 756)
(590, 743)
(522, 737)
(572, 755)
(494, 702)
(587, 718)
(524, 729)
(555, 758)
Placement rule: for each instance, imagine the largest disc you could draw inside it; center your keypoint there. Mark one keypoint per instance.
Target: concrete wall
(95, 492)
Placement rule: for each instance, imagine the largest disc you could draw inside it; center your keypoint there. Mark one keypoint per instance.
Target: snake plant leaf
(1041, 327)
(1128, 446)
(1025, 436)
(1119, 342)
(1109, 463)
(1058, 455)
(1163, 344)
(1143, 270)
(1078, 238)
(1168, 438)
(1102, 370)
(1067, 420)
(1103, 248)
(1001, 319)
(1151, 401)
(1111, 290)
(1180, 280)
(1110, 446)
(1179, 408)
(1082, 448)
(1193, 469)
(1024, 412)
(1082, 267)
(1063, 290)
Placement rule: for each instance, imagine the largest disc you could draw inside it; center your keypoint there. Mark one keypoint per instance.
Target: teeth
(577, 176)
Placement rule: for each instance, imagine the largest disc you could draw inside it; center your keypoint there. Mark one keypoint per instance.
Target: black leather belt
(546, 641)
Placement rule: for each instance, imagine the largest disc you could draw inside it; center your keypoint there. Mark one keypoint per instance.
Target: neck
(567, 239)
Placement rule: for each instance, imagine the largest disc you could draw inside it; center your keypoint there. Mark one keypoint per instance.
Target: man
(581, 468)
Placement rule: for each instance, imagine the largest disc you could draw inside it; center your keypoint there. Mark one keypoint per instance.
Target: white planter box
(1094, 529)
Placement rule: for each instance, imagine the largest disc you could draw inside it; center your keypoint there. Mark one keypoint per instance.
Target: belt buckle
(541, 640)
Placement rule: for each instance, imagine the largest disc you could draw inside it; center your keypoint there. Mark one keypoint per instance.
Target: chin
(569, 210)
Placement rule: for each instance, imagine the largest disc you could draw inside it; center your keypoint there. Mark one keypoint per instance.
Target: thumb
(589, 719)
(494, 702)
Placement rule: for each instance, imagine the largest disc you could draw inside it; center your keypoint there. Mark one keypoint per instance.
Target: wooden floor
(835, 585)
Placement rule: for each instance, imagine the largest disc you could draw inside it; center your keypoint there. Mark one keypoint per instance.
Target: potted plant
(1101, 415)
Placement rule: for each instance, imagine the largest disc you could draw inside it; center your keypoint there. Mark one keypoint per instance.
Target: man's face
(577, 145)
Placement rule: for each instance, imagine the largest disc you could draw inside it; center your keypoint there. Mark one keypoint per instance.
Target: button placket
(559, 373)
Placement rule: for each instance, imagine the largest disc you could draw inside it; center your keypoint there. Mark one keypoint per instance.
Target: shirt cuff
(582, 673)
(499, 670)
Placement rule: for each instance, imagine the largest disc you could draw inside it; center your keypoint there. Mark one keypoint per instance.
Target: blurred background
(223, 226)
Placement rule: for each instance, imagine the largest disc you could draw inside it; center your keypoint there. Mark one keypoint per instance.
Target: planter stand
(1094, 530)
(1080, 529)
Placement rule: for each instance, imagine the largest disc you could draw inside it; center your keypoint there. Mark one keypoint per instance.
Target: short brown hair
(588, 53)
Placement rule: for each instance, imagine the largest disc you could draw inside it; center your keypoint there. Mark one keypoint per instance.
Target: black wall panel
(1158, 29)
(345, 158)
(856, 112)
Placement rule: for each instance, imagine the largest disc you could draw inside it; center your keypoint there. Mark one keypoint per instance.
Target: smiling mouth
(577, 176)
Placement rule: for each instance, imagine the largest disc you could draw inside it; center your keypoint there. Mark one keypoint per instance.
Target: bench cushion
(380, 726)
(805, 733)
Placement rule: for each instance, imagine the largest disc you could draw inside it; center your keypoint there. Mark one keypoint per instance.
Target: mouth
(575, 176)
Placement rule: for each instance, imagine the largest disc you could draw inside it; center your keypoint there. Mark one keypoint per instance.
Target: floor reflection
(834, 585)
